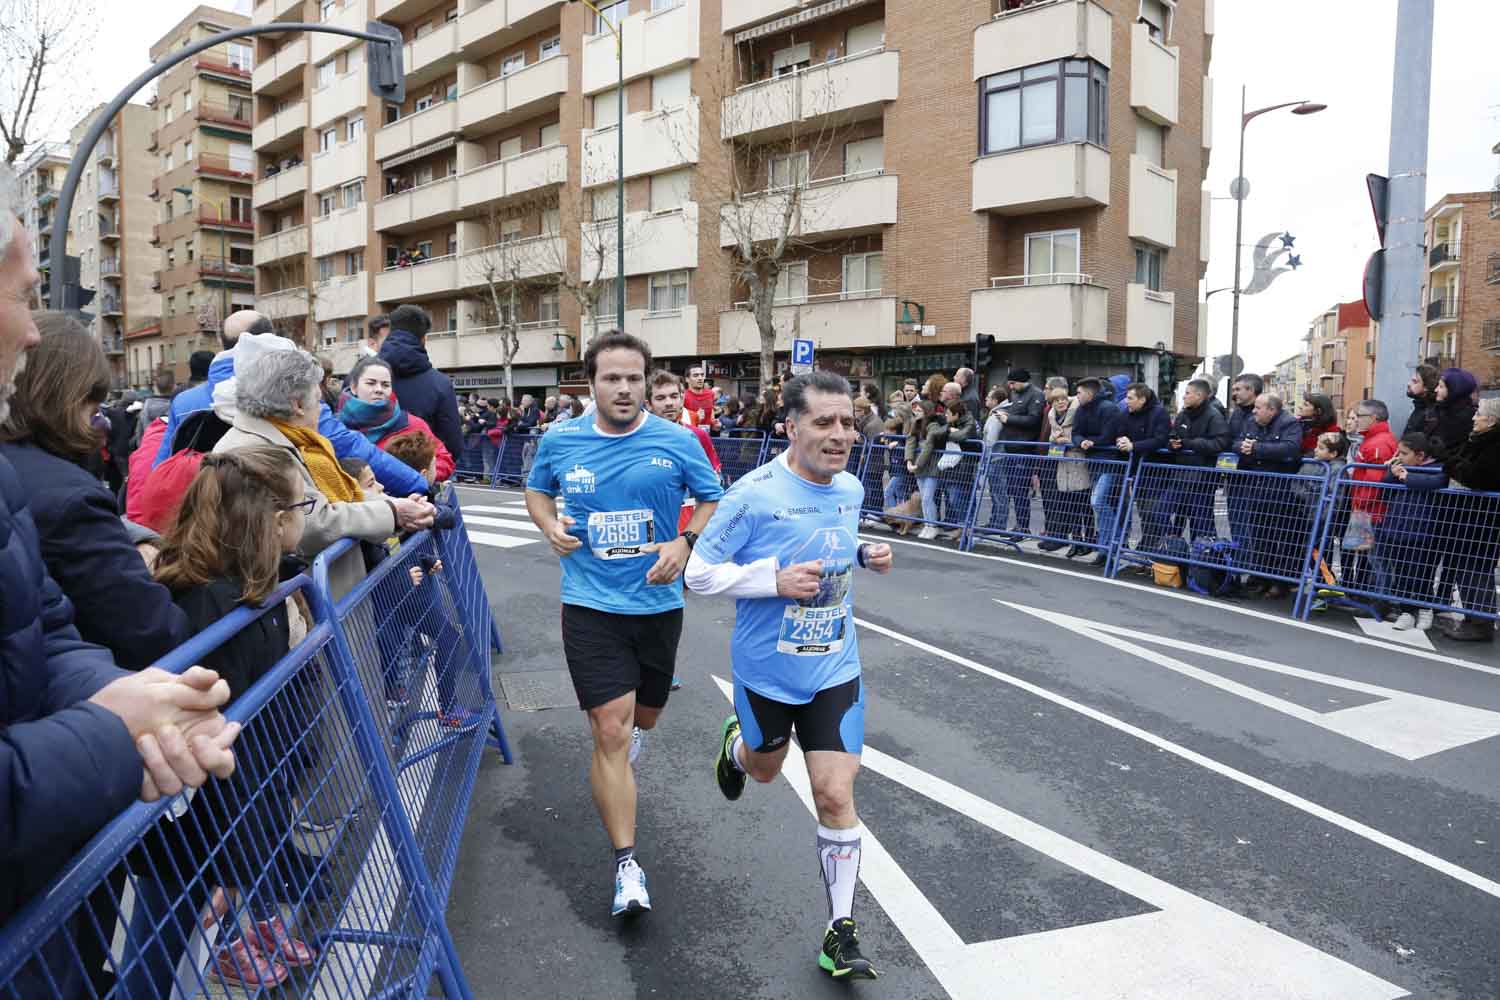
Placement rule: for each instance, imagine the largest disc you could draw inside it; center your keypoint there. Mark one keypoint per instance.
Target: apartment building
(204, 168)
(1462, 290)
(41, 177)
(1339, 360)
(1028, 170)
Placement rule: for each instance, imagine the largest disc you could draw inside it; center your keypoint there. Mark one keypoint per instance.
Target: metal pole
(620, 185)
(1396, 352)
(224, 258)
(102, 121)
(1239, 243)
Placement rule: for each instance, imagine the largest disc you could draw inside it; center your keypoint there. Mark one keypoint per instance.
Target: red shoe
(241, 964)
(270, 937)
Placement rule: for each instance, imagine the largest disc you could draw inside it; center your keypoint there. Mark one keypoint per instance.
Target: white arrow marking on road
(499, 541)
(1189, 948)
(1406, 725)
(516, 510)
(509, 524)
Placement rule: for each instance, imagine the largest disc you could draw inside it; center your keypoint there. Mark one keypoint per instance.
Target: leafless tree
(780, 137)
(42, 69)
(587, 282)
(510, 271)
(289, 313)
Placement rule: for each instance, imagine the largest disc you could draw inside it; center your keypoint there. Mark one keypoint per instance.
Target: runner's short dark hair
(663, 377)
(613, 340)
(794, 393)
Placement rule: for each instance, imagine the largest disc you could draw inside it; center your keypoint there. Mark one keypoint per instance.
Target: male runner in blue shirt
(786, 542)
(622, 474)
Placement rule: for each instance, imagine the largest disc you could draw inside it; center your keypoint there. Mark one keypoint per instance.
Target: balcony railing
(1054, 278)
(209, 163)
(214, 66)
(109, 265)
(1441, 308)
(109, 306)
(210, 217)
(1492, 276)
(218, 267)
(113, 346)
(108, 229)
(1443, 253)
(237, 117)
(1489, 336)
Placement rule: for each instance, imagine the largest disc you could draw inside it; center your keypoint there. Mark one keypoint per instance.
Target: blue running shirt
(784, 649)
(624, 491)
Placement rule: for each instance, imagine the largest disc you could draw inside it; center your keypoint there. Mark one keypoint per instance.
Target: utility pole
(1405, 231)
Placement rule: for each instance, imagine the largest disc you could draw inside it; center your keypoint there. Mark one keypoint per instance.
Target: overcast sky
(1307, 174)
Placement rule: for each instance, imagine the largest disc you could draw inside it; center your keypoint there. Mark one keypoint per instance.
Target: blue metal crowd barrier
(1409, 545)
(740, 450)
(1057, 496)
(513, 461)
(947, 497)
(322, 867)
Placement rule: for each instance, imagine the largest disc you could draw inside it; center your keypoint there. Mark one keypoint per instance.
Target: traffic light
(387, 74)
(75, 296)
(984, 349)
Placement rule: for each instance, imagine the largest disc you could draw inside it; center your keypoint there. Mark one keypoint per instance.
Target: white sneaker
(630, 890)
(1424, 619)
(1403, 621)
(928, 533)
(637, 740)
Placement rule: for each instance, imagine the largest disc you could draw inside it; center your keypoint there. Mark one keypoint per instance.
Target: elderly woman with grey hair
(275, 402)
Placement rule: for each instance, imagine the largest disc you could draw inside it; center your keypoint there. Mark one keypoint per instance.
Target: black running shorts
(610, 655)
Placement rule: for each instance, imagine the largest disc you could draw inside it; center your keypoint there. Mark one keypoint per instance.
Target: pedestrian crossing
(503, 525)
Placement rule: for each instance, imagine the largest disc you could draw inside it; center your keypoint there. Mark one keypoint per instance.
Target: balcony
(506, 100)
(1153, 76)
(109, 230)
(1153, 203)
(354, 14)
(830, 321)
(281, 131)
(853, 88)
(341, 97)
(341, 297)
(1492, 269)
(1443, 255)
(267, 11)
(344, 162)
(1050, 308)
(109, 190)
(743, 13)
(283, 71)
(1489, 336)
(113, 346)
(429, 279)
(153, 143)
(283, 304)
(837, 206)
(345, 229)
(653, 41)
(655, 141)
(209, 218)
(224, 115)
(501, 179)
(286, 184)
(672, 333)
(477, 346)
(109, 305)
(1442, 309)
(279, 246)
(109, 267)
(212, 165)
(431, 55)
(1037, 32)
(1041, 179)
(654, 241)
(530, 257)
(1149, 318)
(482, 22)
(416, 130)
(220, 271)
(231, 72)
(428, 205)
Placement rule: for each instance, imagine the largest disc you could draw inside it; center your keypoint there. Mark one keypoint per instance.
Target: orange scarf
(336, 485)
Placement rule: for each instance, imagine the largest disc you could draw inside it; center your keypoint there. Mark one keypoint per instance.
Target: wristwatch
(691, 537)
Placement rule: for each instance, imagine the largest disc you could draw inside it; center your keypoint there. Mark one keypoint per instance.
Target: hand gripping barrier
(322, 867)
(1058, 496)
(1410, 545)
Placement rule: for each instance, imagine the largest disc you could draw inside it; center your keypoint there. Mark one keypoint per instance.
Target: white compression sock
(734, 753)
(838, 857)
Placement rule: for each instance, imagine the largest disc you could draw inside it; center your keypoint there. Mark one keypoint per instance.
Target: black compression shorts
(833, 720)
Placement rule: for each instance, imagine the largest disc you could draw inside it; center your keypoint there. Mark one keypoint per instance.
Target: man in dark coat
(420, 388)
(1421, 389)
(1020, 420)
(1272, 443)
(1198, 434)
(1139, 431)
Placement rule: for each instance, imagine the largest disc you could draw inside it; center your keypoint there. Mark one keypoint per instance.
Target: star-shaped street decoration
(1287, 239)
(1294, 261)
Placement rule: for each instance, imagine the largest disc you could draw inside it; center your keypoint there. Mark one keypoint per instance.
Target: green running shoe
(731, 779)
(840, 957)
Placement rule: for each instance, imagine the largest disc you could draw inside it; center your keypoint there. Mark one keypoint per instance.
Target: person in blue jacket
(1406, 553)
(398, 478)
(421, 388)
(1091, 425)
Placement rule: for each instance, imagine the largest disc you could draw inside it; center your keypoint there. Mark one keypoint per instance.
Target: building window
(354, 261)
(1054, 102)
(325, 268)
(327, 139)
(188, 249)
(510, 230)
(328, 333)
(607, 109)
(354, 329)
(606, 203)
(1157, 15)
(354, 193)
(326, 8)
(547, 307)
(354, 128)
(513, 63)
(670, 191)
(607, 307)
(551, 47)
(613, 14)
(550, 135)
(424, 249)
(862, 274)
(791, 283)
(168, 164)
(1148, 266)
(453, 318)
(789, 170)
(791, 59)
(241, 56)
(1050, 255)
(327, 202)
(453, 244)
(671, 89)
(239, 209)
(668, 292)
(187, 101)
(325, 74)
(1150, 141)
(864, 156)
(423, 103)
(551, 221)
(167, 112)
(187, 151)
(664, 4)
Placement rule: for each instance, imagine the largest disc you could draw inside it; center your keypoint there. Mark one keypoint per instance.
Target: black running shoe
(731, 779)
(840, 957)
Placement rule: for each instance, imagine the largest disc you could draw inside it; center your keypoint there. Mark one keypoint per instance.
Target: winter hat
(1461, 384)
(1018, 375)
(250, 349)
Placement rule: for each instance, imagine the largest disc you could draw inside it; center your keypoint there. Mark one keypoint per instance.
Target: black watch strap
(691, 537)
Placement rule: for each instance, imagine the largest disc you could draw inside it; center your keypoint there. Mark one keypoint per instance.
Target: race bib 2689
(620, 534)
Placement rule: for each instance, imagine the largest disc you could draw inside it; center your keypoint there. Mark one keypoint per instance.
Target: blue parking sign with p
(802, 352)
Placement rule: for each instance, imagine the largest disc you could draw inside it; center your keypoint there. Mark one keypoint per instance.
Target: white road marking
(1189, 947)
(1374, 836)
(511, 510)
(499, 541)
(508, 523)
(1178, 595)
(1386, 630)
(1410, 726)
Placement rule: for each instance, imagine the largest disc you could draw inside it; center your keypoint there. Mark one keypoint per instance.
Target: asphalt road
(1073, 788)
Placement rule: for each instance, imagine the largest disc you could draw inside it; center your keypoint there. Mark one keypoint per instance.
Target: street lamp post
(619, 164)
(1241, 189)
(223, 256)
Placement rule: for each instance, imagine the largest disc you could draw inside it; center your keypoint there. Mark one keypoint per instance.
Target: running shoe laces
(840, 957)
(630, 889)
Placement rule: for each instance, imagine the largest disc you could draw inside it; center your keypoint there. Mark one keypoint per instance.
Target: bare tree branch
(43, 70)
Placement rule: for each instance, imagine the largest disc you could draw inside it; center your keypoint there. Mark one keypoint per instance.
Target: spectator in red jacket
(371, 408)
(139, 466)
(698, 400)
(1377, 446)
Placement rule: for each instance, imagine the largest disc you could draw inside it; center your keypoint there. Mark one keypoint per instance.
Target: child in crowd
(1406, 554)
(361, 473)
(243, 514)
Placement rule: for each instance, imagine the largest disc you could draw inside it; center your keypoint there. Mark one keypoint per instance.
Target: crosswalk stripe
(499, 522)
(498, 541)
(507, 511)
